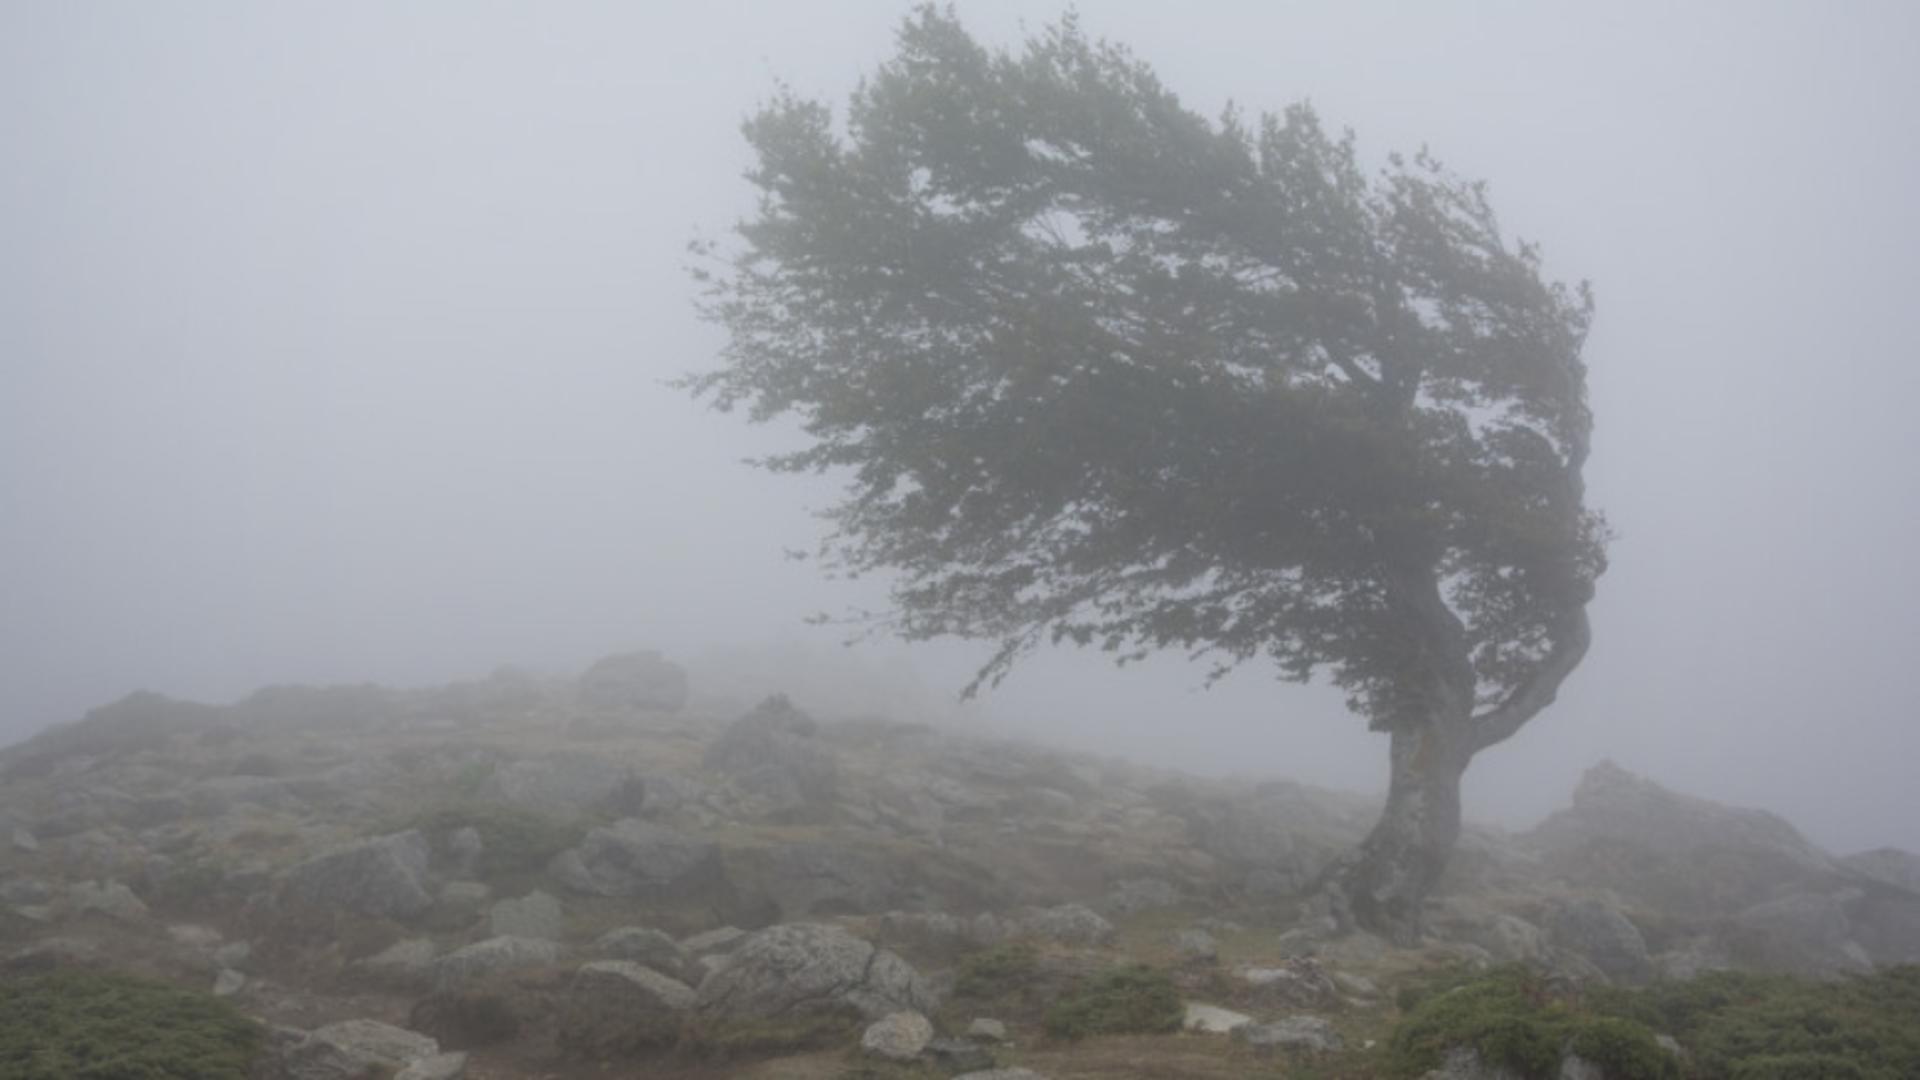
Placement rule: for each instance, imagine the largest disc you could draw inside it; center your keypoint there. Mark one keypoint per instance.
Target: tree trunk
(1382, 886)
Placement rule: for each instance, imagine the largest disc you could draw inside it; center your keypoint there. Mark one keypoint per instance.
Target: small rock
(353, 1048)
(1575, 1067)
(1295, 1033)
(712, 941)
(897, 1036)
(987, 1028)
(383, 877)
(407, 964)
(111, 899)
(957, 1055)
(1357, 986)
(1069, 924)
(535, 915)
(494, 954)
(233, 954)
(228, 983)
(1213, 1020)
(24, 840)
(1196, 946)
(650, 948)
(451, 1066)
(620, 1007)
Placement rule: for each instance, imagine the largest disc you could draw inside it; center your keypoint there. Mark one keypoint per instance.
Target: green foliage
(1777, 1027)
(74, 1026)
(1514, 1022)
(998, 972)
(763, 1037)
(1123, 1000)
(1099, 369)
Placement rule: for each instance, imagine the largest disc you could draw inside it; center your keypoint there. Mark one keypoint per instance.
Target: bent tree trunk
(1383, 885)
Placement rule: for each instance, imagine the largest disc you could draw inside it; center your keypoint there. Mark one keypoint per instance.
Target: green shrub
(998, 972)
(1131, 999)
(1513, 1020)
(83, 1026)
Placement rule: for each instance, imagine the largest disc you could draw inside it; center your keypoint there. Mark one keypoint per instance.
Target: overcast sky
(332, 338)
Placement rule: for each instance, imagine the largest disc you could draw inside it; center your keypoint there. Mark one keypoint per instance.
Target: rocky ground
(523, 877)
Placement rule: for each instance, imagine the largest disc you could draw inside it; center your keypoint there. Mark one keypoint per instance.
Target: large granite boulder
(1805, 934)
(634, 682)
(482, 958)
(620, 1007)
(1674, 853)
(775, 765)
(1597, 931)
(350, 1050)
(803, 967)
(643, 861)
(385, 877)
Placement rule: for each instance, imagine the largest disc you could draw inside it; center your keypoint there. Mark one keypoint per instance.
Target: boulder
(643, 861)
(385, 877)
(1890, 866)
(1195, 946)
(352, 1049)
(1464, 1063)
(1068, 924)
(899, 1036)
(535, 915)
(634, 682)
(805, 967)
(1296, 1034)
(650, 948)
(404, 965)
(1299, 982)
(774, 763)
(109, 898)
(620, 1007)
(1597, 931)
(483, 958)
(1804, 934)
(449, 1066)
(1212, 1019)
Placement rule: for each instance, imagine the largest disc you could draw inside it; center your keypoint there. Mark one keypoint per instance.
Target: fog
(333, 340)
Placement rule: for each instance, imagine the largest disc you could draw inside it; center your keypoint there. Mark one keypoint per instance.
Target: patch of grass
(1512, 1019)
(1778, 1027)
(998, 972)
(1131, 999)
(87, 1026)
(766, 1037)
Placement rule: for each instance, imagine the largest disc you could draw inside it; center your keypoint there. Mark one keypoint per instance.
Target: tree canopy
(1099, 369)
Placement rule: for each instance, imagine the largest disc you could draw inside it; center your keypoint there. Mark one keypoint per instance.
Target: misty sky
(332, 338)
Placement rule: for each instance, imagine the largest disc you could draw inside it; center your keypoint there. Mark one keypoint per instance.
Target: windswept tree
(1099, 370)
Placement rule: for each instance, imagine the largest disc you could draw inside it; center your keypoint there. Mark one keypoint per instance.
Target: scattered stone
(899, 1036)
(24, 840)
(234, 954)
(634, 682)
(462, 900)
(957, 1055)
(987, 1028)
(1464, 1063)
(804, 967)
(52, 953)
(1597, 931)
(111, 899)
(620, 1007)
(1213, 1020)
(643, 861)
(450, 1066)
(535, 915)
(384, 876)
(1069, 924)
(464, 848)
(1355, 986)
(1301, 983)
(494, 954)
(407, 964)
(352, 1049)
(1308, 1034)
(718, 940)
(228, 983)
(650, 948)
(777, 766)
(1575, 1067)
(192, 936)
(25, 891)
(1196, 946)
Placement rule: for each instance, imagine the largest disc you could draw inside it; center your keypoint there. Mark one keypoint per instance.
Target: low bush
(1514, 1021)
(92, 1026)
(1134, 999)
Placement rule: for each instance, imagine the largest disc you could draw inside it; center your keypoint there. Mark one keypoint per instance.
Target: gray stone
(802, 967)
(1300, 982)
(721, 939)
(1805, 934)
(351, 1049)
(775, 764)
(25, 891)
(634, 682)
(1891, 866)
(228, 983)
(494, 954)
(460, 900)
(650, 948)
(620, 1007)
(405, 964)
(535, 915)
(451, 1066)
(110, 898)
(899, 1036)
(957, 1055)
(1597, 931)
(1140, 894)
(642, 861)
(1068, 924)
(23, 839)
(984, 1027)
(1295, 1034)
(1195, 946)
(1575, 1067)
(561, 784)
(1212, 1019)
(1463, 1063)
(385, 877)
(464, 848)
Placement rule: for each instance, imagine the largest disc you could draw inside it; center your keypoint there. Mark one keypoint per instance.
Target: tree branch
(1538, 691)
